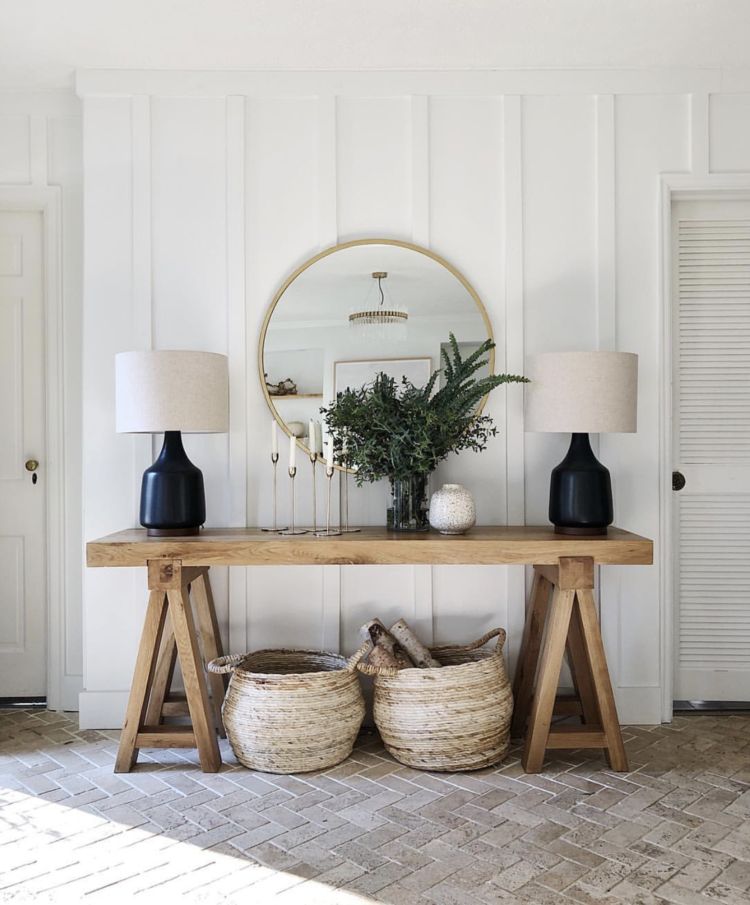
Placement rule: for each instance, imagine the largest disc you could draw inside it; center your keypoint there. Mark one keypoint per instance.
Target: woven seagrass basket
(291, 711)
(453, 718)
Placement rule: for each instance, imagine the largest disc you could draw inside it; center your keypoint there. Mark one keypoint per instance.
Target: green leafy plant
(393, 429)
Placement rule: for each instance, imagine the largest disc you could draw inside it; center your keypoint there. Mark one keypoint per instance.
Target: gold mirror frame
(340, 247)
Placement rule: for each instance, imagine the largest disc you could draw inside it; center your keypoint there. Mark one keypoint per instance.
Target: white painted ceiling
(42, 42)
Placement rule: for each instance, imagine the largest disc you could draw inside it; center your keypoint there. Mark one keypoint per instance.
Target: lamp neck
(580, 454)
(172, 447)
(581, 444)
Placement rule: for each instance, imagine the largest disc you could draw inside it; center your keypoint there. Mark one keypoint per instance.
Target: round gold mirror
(357, 309)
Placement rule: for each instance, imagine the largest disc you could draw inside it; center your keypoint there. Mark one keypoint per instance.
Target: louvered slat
(714, 576)
(713, 341)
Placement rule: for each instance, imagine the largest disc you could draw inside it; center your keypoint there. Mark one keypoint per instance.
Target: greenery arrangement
(393, 429)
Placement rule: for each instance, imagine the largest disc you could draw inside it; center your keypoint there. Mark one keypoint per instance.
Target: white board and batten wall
(203, 191)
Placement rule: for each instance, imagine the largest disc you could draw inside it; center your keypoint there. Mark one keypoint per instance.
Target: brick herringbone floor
(676, 829)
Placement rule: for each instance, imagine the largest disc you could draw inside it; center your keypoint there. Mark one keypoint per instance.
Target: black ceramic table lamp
(581, 393)
(172, 392)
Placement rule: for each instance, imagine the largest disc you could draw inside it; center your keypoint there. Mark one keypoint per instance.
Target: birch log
(418, 653)
(384, 641)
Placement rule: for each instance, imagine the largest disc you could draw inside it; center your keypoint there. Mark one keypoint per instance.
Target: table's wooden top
(371, 546)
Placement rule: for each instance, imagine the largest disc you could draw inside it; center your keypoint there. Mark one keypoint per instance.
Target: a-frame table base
(169, 634)
(562, 617)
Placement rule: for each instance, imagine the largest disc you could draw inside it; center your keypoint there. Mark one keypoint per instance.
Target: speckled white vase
(452, 509)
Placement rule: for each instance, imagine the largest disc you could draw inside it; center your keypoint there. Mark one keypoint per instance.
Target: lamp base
(580, 495)
(173, 501)
(172, 532)
(580, 532)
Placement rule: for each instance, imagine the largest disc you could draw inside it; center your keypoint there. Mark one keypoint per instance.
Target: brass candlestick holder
(330, 471)
(314, 462)
(274, 529)
(291, 529)
(344, 523)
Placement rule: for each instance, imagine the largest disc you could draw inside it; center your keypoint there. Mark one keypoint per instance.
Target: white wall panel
(15, 149)
(729, 133)
(466, 157)
(281, 147)
(369, 591)
(468, 601)
(560, 264)
(188, 178)
(373, 162)
(466, 212)
(114, 602)
(652, 137)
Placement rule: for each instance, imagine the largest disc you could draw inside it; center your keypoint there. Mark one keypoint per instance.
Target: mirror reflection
(356, 310)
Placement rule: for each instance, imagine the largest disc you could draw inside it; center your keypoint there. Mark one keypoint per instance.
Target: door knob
(678, 480)
(31, 465)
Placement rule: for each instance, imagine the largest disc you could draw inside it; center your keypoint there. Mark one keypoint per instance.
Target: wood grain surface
(371, 546)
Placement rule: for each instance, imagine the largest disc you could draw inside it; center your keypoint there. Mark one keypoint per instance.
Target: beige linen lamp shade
(581, 392)
(171, 391)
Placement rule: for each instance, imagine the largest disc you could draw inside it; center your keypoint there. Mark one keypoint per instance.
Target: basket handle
(498, 633)
(225, 664)
(367, 669)
(362, 651)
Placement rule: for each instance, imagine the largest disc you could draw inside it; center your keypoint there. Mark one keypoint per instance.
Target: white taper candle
(311, 436)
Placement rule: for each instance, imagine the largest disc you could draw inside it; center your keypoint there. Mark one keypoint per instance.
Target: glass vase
(408, 510)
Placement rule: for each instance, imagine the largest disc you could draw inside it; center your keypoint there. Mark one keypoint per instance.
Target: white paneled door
(711, 393)
(23, 609)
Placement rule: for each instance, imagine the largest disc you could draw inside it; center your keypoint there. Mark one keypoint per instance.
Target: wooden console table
(562, 600)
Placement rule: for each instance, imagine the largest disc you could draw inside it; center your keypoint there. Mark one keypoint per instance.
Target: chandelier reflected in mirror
(379, 315)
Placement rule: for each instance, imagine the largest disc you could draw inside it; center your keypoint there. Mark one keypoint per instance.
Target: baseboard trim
(102, 709)
(638, 705)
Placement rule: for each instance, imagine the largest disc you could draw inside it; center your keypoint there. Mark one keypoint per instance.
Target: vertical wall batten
(606, 309)
(141, 156)
(142, 258)
(328, 230)
(420, 170)
(238, 358)
(514, 350)
(605, 223)
(699, 134)
(420, 230)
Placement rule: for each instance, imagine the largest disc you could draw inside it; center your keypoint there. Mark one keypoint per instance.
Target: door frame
(47, 201)
(676, 187)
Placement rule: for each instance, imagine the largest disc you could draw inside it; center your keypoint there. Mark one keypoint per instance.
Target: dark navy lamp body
(173, 501)
(580, 495)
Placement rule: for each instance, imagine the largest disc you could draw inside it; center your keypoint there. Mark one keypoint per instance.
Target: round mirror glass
(358, 309)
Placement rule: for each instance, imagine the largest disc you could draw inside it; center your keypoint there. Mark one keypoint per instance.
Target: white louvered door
(711, 393)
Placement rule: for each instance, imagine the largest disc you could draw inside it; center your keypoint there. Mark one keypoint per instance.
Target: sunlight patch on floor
(46, 855)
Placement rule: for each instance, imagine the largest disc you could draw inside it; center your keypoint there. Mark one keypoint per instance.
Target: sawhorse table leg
(572, 625)
(169, 634)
